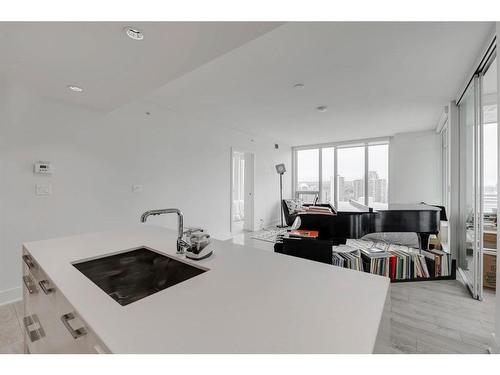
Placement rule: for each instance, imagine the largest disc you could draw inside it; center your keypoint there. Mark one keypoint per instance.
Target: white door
(248, 191)
(242, 191)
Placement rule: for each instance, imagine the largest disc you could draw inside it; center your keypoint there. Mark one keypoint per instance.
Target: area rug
(268, 234)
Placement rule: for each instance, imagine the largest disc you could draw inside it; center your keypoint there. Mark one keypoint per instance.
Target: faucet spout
(181, 244)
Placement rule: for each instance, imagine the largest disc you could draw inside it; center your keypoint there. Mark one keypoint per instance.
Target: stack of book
(347, 257)
(374, 255)
(439, 262)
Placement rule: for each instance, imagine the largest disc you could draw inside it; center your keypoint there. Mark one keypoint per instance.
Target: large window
(378, 175)
(350, 176)
(343, 174)
(327, 174)
(307, 187)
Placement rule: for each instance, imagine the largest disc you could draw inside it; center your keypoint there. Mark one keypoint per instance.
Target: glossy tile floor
(243, 238)
(425, 317)
(11, 334)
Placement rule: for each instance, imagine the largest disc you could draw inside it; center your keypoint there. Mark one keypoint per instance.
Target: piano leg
(423, 240)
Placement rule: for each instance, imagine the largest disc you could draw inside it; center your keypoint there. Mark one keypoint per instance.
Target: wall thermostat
(43, 167)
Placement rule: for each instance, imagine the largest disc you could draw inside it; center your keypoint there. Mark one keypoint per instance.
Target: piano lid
(411, 207)
(353, 206)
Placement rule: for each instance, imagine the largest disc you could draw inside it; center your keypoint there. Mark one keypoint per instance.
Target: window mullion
(294, 174)
(366, 175)
(335, 179)
(320, 177)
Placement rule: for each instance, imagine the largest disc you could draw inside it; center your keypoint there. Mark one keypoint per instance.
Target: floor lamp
(280, 168)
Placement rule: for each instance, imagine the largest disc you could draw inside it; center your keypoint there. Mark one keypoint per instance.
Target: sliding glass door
(469, 246)
(489, 122)
(478, 182)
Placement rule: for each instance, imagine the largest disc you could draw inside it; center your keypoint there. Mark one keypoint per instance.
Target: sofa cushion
(399, 238)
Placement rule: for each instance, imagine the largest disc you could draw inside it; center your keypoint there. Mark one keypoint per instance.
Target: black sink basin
(127, 277)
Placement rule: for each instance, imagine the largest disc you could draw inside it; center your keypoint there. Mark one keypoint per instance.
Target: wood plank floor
(439, 317)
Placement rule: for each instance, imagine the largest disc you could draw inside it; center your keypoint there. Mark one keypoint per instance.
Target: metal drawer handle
(76, 333)
(29, 262)
(30, 285)
(44, 286)
(33, 327)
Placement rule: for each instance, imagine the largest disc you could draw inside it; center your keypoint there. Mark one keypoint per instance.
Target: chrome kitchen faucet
(181, 244)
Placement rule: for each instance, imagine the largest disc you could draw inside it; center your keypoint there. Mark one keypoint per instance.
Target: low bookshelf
(452, 276)
(398, 262)
(342, 255)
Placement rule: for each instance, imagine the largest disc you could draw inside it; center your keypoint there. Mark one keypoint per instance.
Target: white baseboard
(494, 348)
(10, 295)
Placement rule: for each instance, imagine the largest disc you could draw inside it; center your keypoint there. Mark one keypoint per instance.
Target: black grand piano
(361, 220)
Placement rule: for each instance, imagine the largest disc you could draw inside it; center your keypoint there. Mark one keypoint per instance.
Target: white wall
(415, 168)
(181, 161)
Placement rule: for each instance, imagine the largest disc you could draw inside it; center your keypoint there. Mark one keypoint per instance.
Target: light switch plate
(43, 189)
(43, 167)
(137, 188)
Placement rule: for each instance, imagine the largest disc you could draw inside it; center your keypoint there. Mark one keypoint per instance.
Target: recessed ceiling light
(298, 86)
(133, 33)
(322, 108)
(75, 88)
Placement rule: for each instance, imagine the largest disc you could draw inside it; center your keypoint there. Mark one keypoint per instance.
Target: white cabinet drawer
(78, 333)
(51, 324)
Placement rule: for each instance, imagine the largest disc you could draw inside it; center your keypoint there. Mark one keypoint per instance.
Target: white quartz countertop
(250, 300)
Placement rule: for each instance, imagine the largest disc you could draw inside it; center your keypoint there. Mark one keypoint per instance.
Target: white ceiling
(377, 78)
(112, 68)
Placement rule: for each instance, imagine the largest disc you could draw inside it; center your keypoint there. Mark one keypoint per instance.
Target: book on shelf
(440, 261)
(347, 257)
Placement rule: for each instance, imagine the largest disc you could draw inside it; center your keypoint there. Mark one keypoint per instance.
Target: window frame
(365, 143)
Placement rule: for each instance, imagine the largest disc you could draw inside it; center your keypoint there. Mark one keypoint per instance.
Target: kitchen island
(247, 301)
